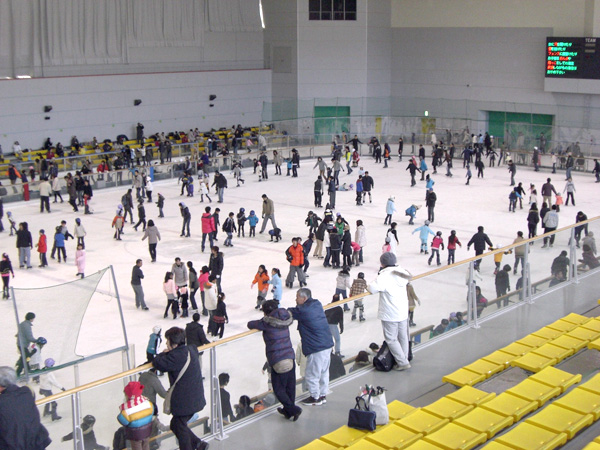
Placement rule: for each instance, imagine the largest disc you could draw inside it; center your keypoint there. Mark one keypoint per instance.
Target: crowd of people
(329, 240)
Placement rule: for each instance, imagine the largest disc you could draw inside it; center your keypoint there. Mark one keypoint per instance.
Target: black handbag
(360, 417)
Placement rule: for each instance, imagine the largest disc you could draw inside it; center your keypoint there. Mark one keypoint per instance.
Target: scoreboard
(573, 58)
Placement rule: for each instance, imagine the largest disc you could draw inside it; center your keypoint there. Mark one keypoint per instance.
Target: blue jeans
(220, 192)
(210, 239)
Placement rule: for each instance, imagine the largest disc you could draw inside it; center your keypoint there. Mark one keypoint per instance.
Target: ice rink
(459, 207)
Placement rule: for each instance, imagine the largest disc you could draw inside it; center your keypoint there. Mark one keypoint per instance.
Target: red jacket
(208, 223)
(295, 255)
(41, 245)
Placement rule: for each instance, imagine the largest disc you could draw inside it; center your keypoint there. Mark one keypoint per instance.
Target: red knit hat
(133, 389)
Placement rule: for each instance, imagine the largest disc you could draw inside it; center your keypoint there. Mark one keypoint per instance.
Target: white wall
(102, 106)
(332, 55)
(565, 17)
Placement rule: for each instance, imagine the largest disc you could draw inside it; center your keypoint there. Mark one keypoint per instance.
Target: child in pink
(435, 248)
(80, 261)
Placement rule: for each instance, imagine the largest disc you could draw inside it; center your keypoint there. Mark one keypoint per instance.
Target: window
(331, 9)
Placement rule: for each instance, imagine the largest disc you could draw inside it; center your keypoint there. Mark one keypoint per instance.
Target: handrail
(244, 334)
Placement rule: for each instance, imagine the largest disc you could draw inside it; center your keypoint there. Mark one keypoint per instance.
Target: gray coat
(180, 274)
(152, 234)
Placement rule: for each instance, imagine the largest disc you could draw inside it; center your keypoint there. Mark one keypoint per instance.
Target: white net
(66, 315)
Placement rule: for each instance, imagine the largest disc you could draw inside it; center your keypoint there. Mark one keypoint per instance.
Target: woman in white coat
(360, 237)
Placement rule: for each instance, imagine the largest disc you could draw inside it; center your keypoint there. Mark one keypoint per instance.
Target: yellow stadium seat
(497, 446)
(534, 391)
(592, 385)
(499, 357)
(562, 325)
(581, 401)
(569, 342)
(393, 437)
(423, 445)
(577, 319)
(598, 438)
(548, 333)
(471, 396)
(343, 436)
(583, 333)
(550, 350)
(463, 377)
(561, 420)
(510, 405)
(529, 437)
(363, 444)
(454, 437)
(592, 446)
(486, 368)
(533, 362)
(398, 410)
(483, 421)
(422, 422)
(552, 376)
(593, 324)
(317, 444)
(517, 349)
(594, 345)
(447, 408)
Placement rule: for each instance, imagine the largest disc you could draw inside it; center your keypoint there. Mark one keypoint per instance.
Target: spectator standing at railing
(188, 392)
(139, 132)
(390, 284)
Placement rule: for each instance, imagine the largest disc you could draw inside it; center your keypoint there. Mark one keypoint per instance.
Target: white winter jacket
(393, 301)
(360, 236)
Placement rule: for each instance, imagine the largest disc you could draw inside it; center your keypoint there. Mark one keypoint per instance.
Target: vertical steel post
(112, 272)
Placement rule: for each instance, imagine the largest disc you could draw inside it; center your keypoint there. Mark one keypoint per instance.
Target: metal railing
(451, 288)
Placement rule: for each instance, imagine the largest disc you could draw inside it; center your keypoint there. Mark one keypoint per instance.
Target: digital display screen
(573, 58)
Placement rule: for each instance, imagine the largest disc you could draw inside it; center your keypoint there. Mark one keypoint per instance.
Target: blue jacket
(252, 220)
(59, 239)
(276, 334)
(424, 231)
(390, 207)
(275, 281)
(429, 184)
(411, 211)
(423, 165)
(313, 326)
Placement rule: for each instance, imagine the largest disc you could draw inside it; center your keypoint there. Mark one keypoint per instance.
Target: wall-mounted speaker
(212, 97)
(47, 108)
(137, 102)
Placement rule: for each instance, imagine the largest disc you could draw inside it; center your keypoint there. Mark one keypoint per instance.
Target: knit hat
(387, 259)
(133, 389)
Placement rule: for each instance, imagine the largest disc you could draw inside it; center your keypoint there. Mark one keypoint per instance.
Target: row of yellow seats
(594, 445)
(556, 424)
(546, 347)
(461, 420)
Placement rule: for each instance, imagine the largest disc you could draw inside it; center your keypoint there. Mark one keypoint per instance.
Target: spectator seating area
(470, 417)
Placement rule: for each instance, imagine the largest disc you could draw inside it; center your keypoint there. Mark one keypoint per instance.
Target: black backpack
(384, 360)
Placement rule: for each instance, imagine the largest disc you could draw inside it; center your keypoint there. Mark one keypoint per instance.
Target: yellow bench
(393, 437)
(486, 368)
(455, 437)
(343, 436)
(469, 395)
(560, 420)
(507, 404)
(463, 377)
(483, 421)
(533, 362)
(526, 436)
(422, 422)
(499, 357)
(398, 410)
(556, 378)
(447, 408)
(581, 401)
(534, 391)
(318, 444)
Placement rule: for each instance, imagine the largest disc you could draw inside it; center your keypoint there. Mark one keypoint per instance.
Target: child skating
(160, 204)
(42, 248)
(452, 243)
(252, 221)
(468, 175)
(390, 209)
(424, 232)
(436, 244)
(359, 286)
(241, 222)
(80, 261)
(411, 211)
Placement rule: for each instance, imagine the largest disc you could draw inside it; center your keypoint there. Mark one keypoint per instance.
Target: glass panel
(547, 265)
(587, 251)
(350, 7)
(57, 417)
(445, 293)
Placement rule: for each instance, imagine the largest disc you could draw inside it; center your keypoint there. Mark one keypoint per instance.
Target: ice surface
(459, 207)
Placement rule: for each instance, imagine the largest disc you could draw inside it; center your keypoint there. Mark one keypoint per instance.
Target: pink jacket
(208, 224)
(80, 260)
(203, 278)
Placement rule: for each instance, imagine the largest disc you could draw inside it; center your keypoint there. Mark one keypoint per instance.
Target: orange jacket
(263, 281)
(295, 255)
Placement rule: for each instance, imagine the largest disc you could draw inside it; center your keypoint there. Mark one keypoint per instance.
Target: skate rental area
(409, 131)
